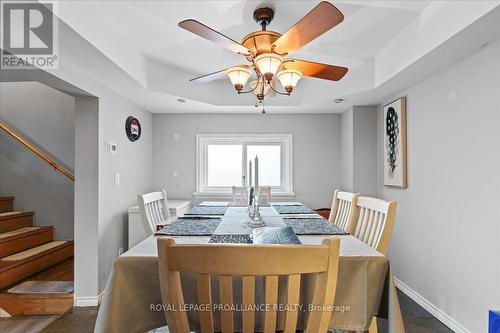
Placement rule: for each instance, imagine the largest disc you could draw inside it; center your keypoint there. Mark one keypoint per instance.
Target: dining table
(132, 299)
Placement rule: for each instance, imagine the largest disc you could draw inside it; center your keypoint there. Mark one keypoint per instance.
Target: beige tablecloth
(365, 284)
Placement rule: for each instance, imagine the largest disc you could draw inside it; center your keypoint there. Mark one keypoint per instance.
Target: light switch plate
(117, 178)
(111, 148)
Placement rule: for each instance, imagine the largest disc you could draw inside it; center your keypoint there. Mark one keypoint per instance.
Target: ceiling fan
(267, 51)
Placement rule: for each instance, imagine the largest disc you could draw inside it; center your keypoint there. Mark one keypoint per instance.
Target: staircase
(34, 264)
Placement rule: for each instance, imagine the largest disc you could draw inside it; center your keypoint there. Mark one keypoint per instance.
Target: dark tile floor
(416, 319)
(82, 320)
(76, 320)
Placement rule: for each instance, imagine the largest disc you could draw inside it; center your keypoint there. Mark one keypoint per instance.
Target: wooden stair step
(18, 266)
(6, 204)
(34, 251)
(18, 240)
(33, 304)
(15, 220)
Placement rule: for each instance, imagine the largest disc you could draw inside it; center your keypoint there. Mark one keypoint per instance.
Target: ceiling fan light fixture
(266, 51)
(289, 79)
(238, 76)
(268, 64)
(260, 88)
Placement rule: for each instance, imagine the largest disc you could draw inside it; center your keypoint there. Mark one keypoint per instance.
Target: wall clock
(133, 128)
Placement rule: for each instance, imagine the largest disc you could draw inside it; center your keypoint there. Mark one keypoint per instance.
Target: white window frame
(285, 141)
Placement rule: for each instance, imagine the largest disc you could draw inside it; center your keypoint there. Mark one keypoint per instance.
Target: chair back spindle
(264, 195)
(374, 222)
(153, 208)
(342, 212)
(240, 196)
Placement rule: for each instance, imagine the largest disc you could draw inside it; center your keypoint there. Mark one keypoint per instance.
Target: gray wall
(46, 117)
(347, 150)
(445, 244)
(358, 162)
(316, 143)
(86, 195)
(365, 150)
(133, 162)
(102, 231)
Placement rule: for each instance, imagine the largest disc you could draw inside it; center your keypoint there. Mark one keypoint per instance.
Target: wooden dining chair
(240, 196)
(248, 261)
(343, 210)
(153, 208)
(374, 222)
(264, 195)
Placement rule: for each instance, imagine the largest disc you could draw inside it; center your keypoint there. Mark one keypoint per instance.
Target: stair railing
(28, 145)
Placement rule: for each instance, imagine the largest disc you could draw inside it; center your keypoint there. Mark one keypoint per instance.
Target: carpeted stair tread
(42, 287)
(9, 214)
(34, 251)
(18, 232)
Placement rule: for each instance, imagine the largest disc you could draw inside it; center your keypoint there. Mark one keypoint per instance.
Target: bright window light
(224, 165)
(269, 163)
(223, 161)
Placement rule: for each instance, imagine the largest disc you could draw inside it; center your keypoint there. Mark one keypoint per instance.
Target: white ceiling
(151, 26)
(142, 37)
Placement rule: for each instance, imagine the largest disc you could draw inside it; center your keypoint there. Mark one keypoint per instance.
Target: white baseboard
(434, 310)
(88, 300)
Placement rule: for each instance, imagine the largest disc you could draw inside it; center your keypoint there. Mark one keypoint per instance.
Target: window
(223, 162)
(224, 166)
(269, 163)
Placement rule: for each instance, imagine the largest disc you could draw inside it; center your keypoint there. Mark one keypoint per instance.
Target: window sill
(228, 196)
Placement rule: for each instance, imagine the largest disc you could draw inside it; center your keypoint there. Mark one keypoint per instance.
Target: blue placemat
(288, 209)
(191, 226)
(275, 235)
(265, 235)
(313, 226)
(207, 210)
(231, 238)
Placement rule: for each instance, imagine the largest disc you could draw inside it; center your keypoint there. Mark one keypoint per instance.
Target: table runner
(207, 210)
(293, 209)
(286, 203)
(213, 203)
(313, 226)
(190, 226)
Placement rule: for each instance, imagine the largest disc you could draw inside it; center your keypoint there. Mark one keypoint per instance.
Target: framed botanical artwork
(395, 143)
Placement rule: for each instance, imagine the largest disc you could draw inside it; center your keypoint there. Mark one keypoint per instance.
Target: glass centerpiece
(254, 209)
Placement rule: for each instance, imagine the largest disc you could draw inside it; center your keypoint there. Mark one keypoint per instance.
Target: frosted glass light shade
(258, 90)
(238, 76)
(268, 64)
(289, 79)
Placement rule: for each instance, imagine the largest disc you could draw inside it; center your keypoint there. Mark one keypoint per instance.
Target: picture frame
(395, 149)
(133, 128)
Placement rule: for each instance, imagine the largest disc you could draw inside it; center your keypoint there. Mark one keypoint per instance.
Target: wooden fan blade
(319, 20)
(214, 36)
(315, 69)
(214, 75)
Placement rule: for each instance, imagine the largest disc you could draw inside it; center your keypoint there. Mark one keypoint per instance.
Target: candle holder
(254, 210)
(249, 208)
